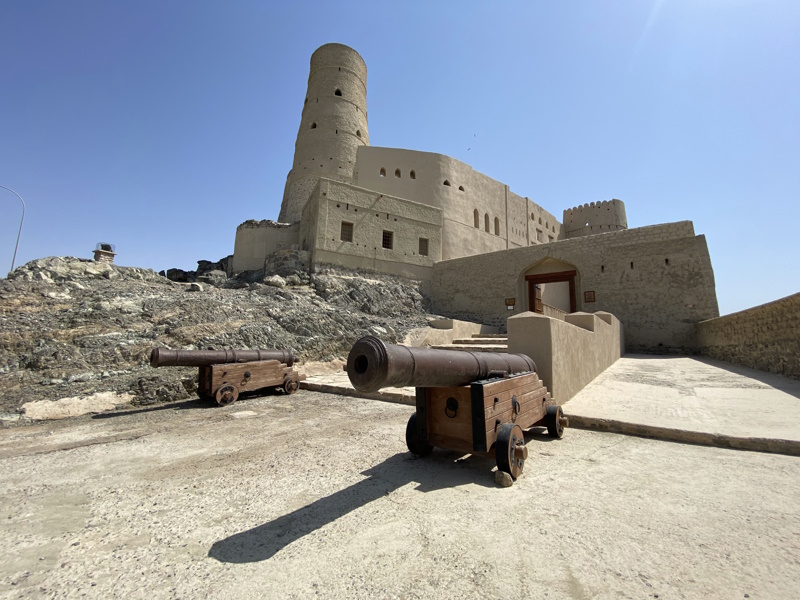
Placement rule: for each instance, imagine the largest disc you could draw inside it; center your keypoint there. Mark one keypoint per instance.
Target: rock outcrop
(71, 327)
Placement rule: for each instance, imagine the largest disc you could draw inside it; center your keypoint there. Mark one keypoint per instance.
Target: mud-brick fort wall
(345, 225)
(657, 280)
(765, 337)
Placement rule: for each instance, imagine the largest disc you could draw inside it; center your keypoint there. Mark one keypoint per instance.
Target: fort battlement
(595, 217)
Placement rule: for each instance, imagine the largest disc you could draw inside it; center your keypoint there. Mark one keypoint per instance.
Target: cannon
(224, 374)
(475, 402)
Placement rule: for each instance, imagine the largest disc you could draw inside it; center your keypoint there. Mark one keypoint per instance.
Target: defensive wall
(480, 214)
(657, 280)
(255, 240)
(765, 337)
(352, 227)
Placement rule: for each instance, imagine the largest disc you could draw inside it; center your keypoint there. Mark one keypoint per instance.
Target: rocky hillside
(72, 327)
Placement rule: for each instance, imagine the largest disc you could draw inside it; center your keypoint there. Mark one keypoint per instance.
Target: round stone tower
(333, 126)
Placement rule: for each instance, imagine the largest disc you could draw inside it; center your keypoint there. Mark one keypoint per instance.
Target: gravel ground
(313, 495)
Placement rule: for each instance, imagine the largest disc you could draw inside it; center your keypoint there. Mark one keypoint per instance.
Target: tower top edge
(336, 47)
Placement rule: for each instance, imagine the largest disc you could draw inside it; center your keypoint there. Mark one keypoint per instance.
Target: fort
(484, 252)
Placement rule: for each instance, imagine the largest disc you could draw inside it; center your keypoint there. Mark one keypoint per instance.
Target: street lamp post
(19, 233)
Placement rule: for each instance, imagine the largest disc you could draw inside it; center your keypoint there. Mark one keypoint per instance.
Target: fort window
(486, 222)
(383, 172)
(423, 246)
(540, 220)
(461, 188)
(539, 235)
(476, 218)
(388, 239)
(346, 234)
(413, 175)
(447, 183)
(358, 132)
(666, 262)
(496, 226)
(313, 126)
(602, 268)
(550, 238)
(397, 173)
(631, 266)
(338, 92)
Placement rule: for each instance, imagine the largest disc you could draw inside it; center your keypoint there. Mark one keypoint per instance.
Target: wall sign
(588, 296)
(510, 303)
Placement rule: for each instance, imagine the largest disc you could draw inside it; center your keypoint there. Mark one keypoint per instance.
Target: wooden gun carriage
(224, 374)
(474, 402)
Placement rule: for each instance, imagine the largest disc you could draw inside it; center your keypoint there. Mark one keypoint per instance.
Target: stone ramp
(692, 400)
(674, 398)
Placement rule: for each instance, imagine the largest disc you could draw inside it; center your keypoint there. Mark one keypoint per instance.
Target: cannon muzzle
(164, 357)
(372, 364)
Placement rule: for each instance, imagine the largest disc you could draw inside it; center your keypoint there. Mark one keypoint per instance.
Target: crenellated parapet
(595, 217)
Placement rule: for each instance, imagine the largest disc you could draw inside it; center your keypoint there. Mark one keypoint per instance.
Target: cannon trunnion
(472, 402)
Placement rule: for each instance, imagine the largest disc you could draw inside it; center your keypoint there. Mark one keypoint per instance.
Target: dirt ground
(314, 495)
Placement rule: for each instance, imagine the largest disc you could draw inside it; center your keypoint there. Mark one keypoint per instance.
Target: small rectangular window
(347, 232)
(539, 235)
(423, 246)
(388, 239)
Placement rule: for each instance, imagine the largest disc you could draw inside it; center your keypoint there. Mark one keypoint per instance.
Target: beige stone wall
(570, 353)
(371, 214)
(765, 337)
(657, 280)
(595, 217)
(511, 218)
(255, 239)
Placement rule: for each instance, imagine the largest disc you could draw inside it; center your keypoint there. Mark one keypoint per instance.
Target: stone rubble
(73, 327)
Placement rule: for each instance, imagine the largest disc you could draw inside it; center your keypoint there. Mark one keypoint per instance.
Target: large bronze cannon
(474, 402)
(372, 364)
(164, 357)
(225, 373)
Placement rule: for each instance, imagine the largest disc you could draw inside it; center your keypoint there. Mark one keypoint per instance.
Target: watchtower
(332, 127)
(595, 217)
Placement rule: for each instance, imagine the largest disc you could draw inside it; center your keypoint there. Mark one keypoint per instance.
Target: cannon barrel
(164, 357)
(372, 364)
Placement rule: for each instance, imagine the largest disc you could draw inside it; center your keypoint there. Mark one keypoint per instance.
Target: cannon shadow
(440, 470)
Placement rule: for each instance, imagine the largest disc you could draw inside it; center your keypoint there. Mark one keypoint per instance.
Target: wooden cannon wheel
(290, 385)
(227, 394)
(510, 450)
(554, 419)
(415, 445)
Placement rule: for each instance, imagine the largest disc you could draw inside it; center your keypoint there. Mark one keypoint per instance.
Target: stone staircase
(479, 342)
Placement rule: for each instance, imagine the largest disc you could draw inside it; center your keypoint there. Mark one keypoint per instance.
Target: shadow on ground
(442, 469)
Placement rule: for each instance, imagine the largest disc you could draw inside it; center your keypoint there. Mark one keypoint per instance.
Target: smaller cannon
(224, 374)
(474, 402)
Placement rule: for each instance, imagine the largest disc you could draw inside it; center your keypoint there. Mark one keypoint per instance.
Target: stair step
(482, 340)
(489, 335)
(473, 347)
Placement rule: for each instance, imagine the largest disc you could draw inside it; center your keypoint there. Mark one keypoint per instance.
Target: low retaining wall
(570, 353)
(765, 337)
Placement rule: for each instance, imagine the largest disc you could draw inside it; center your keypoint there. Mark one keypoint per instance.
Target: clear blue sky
(159, 126)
